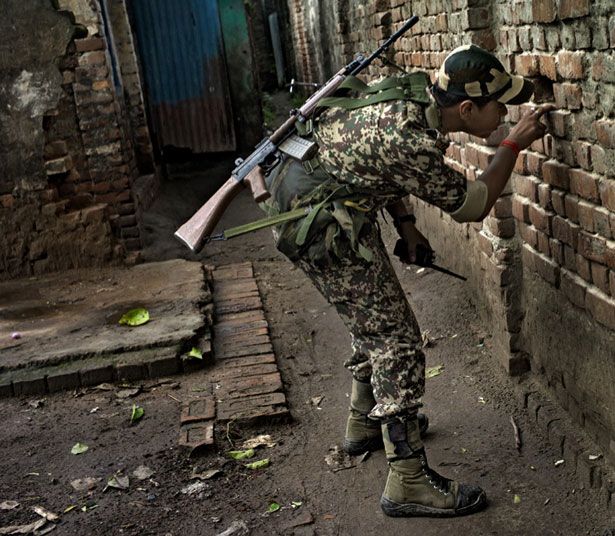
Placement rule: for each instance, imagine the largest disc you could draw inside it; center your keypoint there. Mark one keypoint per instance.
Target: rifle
(266, 155)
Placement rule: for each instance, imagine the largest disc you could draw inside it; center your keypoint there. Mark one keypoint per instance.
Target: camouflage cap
(470, 71)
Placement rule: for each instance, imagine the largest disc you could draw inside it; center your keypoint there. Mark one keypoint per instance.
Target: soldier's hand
(530, 127)
(411, 244)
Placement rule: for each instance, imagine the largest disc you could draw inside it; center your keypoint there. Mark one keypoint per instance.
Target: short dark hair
(445, 99)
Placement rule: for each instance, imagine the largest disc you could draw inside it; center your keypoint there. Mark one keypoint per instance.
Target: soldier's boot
(362, 433)
(413, 488)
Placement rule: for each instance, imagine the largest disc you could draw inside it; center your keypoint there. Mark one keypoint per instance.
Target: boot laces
(435, 479)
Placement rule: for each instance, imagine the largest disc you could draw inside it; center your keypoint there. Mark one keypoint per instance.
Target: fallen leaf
(594, 457)
(94, 410)
(142, 472)
(104, 387)
(547, 501)
(49, 516)
(79, 448)
(207, 475)
(137, 413)
(517, 499)
(241, 454)
(237, 528)
(558, 463)
(84, 484)
(260, 464)
(263, 440)
(328, 516)
(135, 317)
(8, 505)
(128, 393)
(481, 400)
(24, 529)
(118, 482)
(273, 507)
(338, 460)
(316, 400)
(296, 504)
(195, 353)
(69, 508)
(431, 372)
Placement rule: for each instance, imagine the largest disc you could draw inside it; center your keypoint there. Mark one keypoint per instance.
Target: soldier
(377, 145)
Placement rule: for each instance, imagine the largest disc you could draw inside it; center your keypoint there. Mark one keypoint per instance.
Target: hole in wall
(543, 89)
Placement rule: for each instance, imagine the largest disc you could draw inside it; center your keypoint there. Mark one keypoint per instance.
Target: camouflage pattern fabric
(386, 339)
(383, 152)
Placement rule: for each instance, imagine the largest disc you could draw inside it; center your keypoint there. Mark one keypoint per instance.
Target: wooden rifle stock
(194, 232)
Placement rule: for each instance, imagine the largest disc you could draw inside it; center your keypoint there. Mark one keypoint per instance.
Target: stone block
(96, 373)
(165, 365)
(32, 383)
(128, 372)
(6, 388)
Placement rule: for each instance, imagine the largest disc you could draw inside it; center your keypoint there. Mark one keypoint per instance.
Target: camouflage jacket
(368, 158)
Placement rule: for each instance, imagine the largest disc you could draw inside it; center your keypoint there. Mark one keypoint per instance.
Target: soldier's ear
(465, 109)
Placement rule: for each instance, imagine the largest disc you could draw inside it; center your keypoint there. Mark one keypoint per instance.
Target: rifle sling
(266, 222)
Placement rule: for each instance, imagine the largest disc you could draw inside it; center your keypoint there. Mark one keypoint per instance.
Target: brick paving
(244, 380)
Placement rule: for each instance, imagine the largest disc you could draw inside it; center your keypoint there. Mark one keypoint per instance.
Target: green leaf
(517, 499)
(434, 371)
(296, 504)
(241, 454)
(196, 353)
(137, 413)
(260, 464)
(79, 448)
(135, 317)
(273, 507)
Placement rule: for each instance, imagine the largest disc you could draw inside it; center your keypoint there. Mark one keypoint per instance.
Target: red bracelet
(512, 146)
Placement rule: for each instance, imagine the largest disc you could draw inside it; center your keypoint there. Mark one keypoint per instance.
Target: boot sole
(394, 509)
(355, 448)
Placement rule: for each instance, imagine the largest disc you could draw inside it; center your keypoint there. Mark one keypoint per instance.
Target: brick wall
(543, 262)
(67, 189)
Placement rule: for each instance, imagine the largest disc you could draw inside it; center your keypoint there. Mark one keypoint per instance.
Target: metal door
(186, 83)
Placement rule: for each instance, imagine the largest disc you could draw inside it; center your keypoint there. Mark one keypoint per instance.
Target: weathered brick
(547, 66)
(601, 306)
(526, 186)
(586, 215)
(605, 133)
(199, 409)
(253, 408)
(582, 154)
(592, 247)
(600, 276)
(540, 218)
(609, 255)
(544, 10)
(557, 201)
(527, 65)
(571, 203)
(569, 9)
(196, 437)
(602, 223)
(529, 234)
(583, 267)
(32, 384)
(541, 264)
(570, 64)
(544, 196)
(565, 231)
(556, 174)
(520, 209)
(90, 44)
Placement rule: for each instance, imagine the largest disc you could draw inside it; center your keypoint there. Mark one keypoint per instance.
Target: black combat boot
(362, 433)
(413, 488)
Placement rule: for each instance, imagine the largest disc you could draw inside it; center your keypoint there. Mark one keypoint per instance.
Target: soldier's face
(483, 121)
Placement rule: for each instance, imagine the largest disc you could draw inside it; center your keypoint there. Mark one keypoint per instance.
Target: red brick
(603, 68)
(527, 65)
(602, 222)
(529, 234)
(557, 251)
(198, 409)
(560, 123)
(586, 216)
(570, 258)
(543, 244)
(592, 247)
(574, 288)
(502, 207)
(521, 209)
(585, 184)
(573, 95)
(502, 228)
(544, 196)
(547, 66)
(93, 59)
(609, 256)
(582, 153)
(89, 44)
(545, 267)
(600, 276)
(197, 436)
(605, 133)
(601, 307)
(570, 9)
(526, 186)
(565, 231)
(557, 201)
(570, 64)
(583, 268)
(534, 162)
(543, 10)
(571, 203)
(556, 174)
(540, 218)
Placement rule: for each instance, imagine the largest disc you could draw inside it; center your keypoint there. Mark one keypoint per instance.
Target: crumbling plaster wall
(67, 161)
(542, 264)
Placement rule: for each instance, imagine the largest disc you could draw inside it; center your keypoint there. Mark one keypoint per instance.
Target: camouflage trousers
(386, 339)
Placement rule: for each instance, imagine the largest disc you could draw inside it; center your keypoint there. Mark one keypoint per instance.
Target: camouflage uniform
(368, 158)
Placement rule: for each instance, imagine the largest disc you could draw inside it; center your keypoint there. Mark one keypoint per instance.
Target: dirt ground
(469, 405)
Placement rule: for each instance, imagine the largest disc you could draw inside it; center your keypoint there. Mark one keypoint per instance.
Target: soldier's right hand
(530, 128)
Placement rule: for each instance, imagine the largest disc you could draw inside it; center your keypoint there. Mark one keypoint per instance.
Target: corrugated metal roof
(181, 50)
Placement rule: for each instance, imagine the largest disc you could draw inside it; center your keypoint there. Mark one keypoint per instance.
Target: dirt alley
(469, 405)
